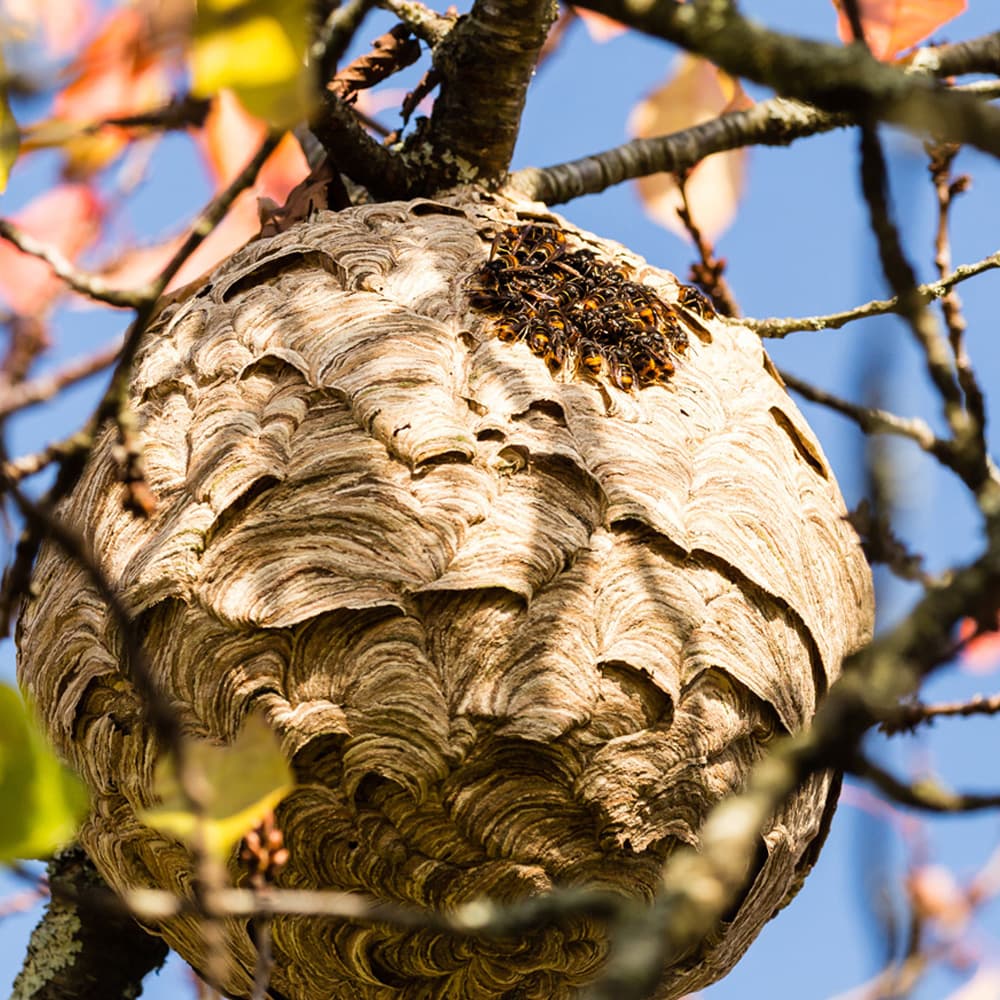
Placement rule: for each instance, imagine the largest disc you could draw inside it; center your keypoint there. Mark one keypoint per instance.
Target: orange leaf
(891, 26)
(600, 27)
(120, 72)
(935, 894)
(65, 219)
(230, 136)
(696, 93)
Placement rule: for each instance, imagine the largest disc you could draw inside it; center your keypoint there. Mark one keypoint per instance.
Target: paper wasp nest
(520, 621)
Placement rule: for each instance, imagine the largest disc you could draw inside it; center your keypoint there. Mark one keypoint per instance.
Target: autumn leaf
(695, 93)
(120, 72)
(257, 49)
(600, 27)
(66, 219)
(936, 895)
(981, 653)
(41, 801)
(243, 782)
(892, 26)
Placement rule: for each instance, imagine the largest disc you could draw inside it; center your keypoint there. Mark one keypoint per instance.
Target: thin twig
(709, 272)
(911, 714)
(779, 328)
(873, 420)
(923, 794)
(947, 188)
(835, 78)
(43, 388)
(426, 24)
(86, 284)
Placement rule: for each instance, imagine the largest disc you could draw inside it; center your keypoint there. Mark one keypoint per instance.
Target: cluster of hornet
(580, 313)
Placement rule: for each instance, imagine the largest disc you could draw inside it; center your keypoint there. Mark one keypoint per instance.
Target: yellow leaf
(695, 93)
(9, 134)
(256, 48)
(242, 782)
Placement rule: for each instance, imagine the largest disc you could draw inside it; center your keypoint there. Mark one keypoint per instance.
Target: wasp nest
(516, 630)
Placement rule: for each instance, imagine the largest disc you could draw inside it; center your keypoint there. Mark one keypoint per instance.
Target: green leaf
(41, 800)
(256, 48)
(10, 135)
(242, 783)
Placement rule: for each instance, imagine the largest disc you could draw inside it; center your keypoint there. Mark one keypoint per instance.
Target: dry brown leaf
(696, 92)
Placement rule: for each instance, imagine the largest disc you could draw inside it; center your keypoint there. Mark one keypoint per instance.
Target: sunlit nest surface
(515, 631)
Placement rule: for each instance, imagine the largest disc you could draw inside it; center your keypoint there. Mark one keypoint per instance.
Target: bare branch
(336, 34)
(871, 419)
(780, 328)
(776, 122)
(44, 387)
(977, 55)
(86, 284)
(923, 794)
(425, 23)
(911, 714)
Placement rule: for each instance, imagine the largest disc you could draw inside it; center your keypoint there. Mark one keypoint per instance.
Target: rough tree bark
(516, 631)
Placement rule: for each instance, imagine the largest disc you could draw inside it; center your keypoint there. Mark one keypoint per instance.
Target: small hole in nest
(582, 314)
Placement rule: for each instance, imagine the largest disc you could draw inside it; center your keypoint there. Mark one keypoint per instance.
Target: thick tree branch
(977, 55)
(486, 64)
(356, 153)
(775, 122)
(833, 77)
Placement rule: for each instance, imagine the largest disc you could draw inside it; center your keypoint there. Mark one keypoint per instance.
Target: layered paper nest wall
(515, 631)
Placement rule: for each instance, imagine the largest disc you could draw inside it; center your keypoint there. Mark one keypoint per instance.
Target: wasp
(695, 301)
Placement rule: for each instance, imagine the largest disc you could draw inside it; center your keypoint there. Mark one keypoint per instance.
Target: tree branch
(836, 78)
(82, 948)
(911, 714)
(780, 328)
(776, 122)
(923, 794)
(486, 64)
(977, 55)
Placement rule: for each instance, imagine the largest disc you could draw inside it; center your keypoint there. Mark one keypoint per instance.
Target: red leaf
(981, 654)
(892, 26)
(120, 72)
(695, 93)
(65, 219)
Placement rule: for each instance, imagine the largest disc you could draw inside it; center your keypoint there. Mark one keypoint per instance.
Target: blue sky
(799, 246)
